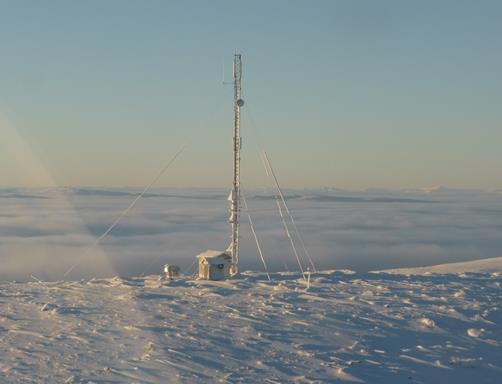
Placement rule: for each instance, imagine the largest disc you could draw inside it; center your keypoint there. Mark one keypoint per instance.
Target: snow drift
(491, 265)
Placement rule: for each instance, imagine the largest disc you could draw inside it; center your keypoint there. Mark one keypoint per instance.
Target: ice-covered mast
(234, 197)
(217, 265)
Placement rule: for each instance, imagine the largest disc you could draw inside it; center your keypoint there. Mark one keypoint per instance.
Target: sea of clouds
(44, 232)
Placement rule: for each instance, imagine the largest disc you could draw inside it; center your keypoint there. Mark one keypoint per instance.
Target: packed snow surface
(346, 327)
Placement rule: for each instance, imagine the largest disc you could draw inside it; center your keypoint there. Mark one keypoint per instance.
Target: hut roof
(214, 257)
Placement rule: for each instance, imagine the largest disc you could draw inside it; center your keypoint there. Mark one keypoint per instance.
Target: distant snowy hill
(346, 328)
(492, 265)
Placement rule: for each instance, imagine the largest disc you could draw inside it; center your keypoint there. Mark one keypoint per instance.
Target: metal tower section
(234, 197)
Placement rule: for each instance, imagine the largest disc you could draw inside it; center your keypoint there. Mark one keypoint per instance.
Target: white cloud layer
(45, 232)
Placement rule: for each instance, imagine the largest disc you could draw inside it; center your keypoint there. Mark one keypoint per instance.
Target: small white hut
(214, 265)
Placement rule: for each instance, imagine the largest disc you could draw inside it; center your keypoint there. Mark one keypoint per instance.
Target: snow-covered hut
(214, 265)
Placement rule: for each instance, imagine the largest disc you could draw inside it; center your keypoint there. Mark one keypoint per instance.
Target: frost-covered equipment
(214, 265)
(171, 270)
(234, 197)
(217, 265)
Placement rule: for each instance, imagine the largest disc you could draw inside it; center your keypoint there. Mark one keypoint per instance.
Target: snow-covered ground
(437, 324)
(347, 327)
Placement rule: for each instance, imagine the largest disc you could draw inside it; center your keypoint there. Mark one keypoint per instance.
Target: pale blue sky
(352, 94)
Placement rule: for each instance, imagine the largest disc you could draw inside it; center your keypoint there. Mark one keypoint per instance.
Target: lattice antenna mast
(234, 196)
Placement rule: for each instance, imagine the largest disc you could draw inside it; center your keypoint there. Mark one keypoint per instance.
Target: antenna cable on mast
(297, 232)
(255, 235)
